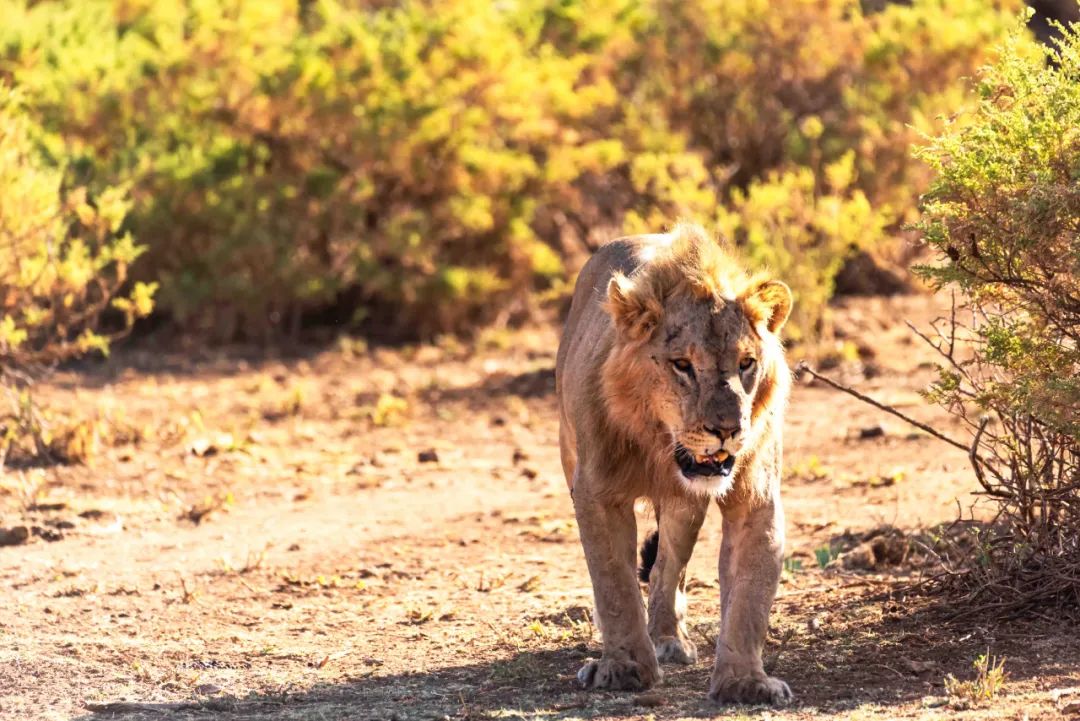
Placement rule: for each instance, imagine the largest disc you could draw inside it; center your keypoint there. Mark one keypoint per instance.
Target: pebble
(649, 700)
(14, 536)
(874, 431)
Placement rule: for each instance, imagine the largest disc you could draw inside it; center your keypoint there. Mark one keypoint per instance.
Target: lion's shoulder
(587, 322)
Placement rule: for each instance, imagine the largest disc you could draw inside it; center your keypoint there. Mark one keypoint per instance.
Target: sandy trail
(343, 577)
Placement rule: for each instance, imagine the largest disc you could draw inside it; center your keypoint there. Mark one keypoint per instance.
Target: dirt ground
(386, 534)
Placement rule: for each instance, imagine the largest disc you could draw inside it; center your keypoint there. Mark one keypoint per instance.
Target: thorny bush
(1003, 216)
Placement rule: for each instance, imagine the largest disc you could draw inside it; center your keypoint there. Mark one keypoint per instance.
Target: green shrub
(803, 230)
(804, 114)
(759, 85)
(432, 164)
(1002, 217)
(62, 255)
(277, 160)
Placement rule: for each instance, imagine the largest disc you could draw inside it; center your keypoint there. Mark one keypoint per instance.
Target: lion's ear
(635, 312)
(770, 302)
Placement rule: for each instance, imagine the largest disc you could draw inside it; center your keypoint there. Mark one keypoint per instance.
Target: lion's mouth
(718, 464)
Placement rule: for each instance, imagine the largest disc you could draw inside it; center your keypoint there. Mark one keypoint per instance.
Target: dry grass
(989, 680)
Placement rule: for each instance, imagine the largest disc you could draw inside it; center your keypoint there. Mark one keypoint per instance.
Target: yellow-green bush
(63, 255)
(1001, 217)
(431, 164)
(803, 230)
(277, 159)
(804, 114)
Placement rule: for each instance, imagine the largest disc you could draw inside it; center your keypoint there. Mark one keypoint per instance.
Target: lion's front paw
(674, 650)
(751, 689)
(618, 675)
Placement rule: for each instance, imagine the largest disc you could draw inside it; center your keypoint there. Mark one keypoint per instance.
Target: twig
(126, 707)
(189, 595)
(976, 462)
(804, 367)
(249, 587)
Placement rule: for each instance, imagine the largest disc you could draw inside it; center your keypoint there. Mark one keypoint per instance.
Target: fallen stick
(135, 707)
(803, 367)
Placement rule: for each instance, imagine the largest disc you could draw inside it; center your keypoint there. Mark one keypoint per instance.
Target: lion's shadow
(898, 660)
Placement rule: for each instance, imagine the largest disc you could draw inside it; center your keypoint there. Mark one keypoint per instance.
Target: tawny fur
(622, 408)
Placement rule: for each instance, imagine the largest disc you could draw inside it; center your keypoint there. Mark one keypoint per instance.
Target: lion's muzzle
(692, 465)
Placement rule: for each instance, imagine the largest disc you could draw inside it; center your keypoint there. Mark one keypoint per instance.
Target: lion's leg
(751, 558)
(680, 520)
(568, 451)
(608, 534)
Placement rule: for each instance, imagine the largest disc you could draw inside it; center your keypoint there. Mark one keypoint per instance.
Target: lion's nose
(725, 430)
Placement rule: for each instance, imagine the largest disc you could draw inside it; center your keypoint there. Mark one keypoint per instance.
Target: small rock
(206, 447)
(889, 550)
(47, 534)
(860, 558)
(828, 363)
(208, 689)
(649, 700)
(14, 536)
(47, 507)
(519, 456)
(529, 473)
(202, 447)
(918, 667)
(1067, 700)
(428, 456)
(874, 431)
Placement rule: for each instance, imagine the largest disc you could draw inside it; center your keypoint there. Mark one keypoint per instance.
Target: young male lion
(672, 383)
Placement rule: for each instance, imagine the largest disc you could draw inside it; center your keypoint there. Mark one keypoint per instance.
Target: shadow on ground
(839, 665)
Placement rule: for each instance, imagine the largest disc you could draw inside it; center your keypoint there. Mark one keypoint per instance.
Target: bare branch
(804, 367)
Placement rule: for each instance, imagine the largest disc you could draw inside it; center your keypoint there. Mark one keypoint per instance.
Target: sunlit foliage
(63, 255)
(1004, 217)
(429, 166)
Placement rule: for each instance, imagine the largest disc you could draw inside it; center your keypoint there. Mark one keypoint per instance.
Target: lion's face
(706, 368)
(706, 360)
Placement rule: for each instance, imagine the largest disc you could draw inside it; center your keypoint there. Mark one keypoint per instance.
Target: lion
(672, 384)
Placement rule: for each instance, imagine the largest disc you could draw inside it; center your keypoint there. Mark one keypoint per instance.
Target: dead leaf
(530, 584)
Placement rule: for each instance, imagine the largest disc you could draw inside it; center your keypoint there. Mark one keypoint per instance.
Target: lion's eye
(746, 364)
(683, 366)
